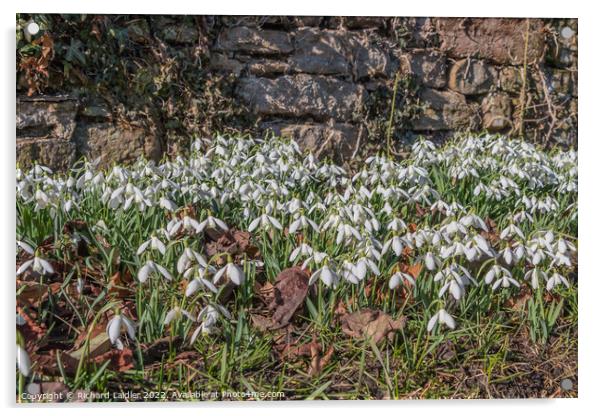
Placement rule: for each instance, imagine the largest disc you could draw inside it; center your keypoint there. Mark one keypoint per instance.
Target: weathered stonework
(444, 110)
(470, 77)
(315, 79)
(501, 41)
(302, 96)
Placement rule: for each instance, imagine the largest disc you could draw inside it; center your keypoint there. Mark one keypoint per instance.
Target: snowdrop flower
(346, 232)
(441, 317)
(397, 225)
(188, 256)
(302, 250)
(154, 243)
(398, 278)
(177, 313)
(23, 361)
(453, 228)
(364, 264)
(42, 199)
(431, 261)
(505, 281)
(212, 223)
(397, 244)
(350, 273)
(453, 250)
(522, 216)
(167, 204)
(508, 255)
(37, 264)
(26, 247)
(560, 259)
(562, 246)
(510, 231)
(232, 271)
(114, 327)
(455, 285)
(209, 317)
(474, 221)
(150, 267)
(326, 275)
(555, 280)
(264, 221)
(302, 222)
(534, 275)
(197, 283)
(503, 277)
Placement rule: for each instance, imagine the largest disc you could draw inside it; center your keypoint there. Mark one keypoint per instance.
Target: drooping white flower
(212, 223)
(197, 283)
(511, 231)
(26, 247)
(302, 250)
(37, 264)
(167, 204)
(535, 275)
(397, 244)
(555, 280)
(114, 327)
(441, 317)
(188, 257)
(150, 267)
(431, 261)
(176, 313)
(302, 222)
(346, 232)
(209, 317)
(154, 244)
(398, 278)
(265, 221)
(326, 275)
(232, 271)
(349, 273)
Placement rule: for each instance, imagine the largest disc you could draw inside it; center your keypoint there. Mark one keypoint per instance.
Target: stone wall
(325, 81)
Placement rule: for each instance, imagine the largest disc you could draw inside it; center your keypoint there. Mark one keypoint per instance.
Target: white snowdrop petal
(23, 361)
(235, 274)
(114, 328)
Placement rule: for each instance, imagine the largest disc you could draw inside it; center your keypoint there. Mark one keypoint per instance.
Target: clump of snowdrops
(485, 218)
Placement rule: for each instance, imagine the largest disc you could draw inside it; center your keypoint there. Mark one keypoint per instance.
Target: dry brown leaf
(414, 270)
(368, 323)
(119, 285)
(237, 243)
(33, 293)
(289, 294)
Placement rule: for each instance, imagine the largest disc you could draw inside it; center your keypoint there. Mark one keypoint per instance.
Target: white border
(590, 207)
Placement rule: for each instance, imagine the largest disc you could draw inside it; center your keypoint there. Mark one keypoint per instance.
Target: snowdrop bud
(23, 361)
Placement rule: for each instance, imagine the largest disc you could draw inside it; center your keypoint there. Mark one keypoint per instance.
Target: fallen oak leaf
(31, 293)
(290, 291)
(368, 323)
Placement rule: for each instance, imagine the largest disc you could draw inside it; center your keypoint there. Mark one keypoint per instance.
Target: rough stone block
(444, 110)
(302, 96)
(499, 40)
(428, 67)
(254, 41)
(471, 77)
